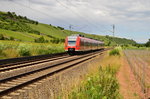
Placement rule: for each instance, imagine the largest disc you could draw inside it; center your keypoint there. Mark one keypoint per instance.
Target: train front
(71, 44)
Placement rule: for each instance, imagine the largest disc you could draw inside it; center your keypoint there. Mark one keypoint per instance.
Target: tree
(61, 28)
(148, 44)
(9, 14)
(36, 22)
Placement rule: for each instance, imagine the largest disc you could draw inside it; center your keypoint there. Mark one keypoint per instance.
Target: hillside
(19, 28)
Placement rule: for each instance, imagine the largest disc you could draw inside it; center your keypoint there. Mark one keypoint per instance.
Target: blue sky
(131, 17)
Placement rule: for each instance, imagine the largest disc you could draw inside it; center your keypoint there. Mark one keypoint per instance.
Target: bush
(148, 44)
(2, 37)
(114, 52)
(102, 85)
(24, 50)
(12, 38)
(41, 40)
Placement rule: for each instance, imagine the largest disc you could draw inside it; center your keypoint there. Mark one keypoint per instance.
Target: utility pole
(70, 27)
(113, 30)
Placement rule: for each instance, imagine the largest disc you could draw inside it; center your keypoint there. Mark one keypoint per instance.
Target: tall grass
(11, 49)
(115, 51)
(100, 85)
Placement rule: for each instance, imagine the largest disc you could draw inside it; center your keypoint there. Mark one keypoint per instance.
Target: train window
(71, 43)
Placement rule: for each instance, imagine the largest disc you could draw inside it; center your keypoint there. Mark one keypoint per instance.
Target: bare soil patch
(129, 86)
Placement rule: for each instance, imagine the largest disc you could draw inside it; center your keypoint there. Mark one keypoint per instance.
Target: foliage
(10, 21)
(61, 28)
(120, 41)
(114, 52)
(1, 37)
(28, 49)
(148, 44)
(101, 85)
(56, 41)
(41, 40)
(24, 50)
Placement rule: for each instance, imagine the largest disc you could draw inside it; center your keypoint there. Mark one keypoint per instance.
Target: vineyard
(139, 61)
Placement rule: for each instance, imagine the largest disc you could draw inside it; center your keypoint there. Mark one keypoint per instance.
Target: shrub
(12, 38)
(102, 85)
(1, 37)
(114, 52)
(24, 50)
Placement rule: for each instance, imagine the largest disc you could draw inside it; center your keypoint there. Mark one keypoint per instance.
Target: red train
(79, 43)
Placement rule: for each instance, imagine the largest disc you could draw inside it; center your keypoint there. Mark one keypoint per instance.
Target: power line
(83, 12)
(46, 14)
(113, 30)
(29, 7)
(79, 15)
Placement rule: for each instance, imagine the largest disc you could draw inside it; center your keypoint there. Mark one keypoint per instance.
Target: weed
(102, 85)
(114, 52)
(28, 49)
(24, 50)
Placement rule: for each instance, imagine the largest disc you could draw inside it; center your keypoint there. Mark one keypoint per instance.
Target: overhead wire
(77, 14)
(46, 14)
(69, 1)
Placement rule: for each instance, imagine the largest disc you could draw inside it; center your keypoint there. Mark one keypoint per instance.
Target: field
(139, 61)
(11, 49)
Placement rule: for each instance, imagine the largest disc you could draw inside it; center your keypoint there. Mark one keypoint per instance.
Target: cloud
(96, 15)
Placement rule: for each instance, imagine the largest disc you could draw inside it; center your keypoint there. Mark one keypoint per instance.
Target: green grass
(49, 30)
(38, 36)
(114, 52)
(100, 85)
(11, 49)
(17, 35)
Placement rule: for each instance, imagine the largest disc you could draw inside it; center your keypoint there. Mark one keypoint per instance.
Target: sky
(130, 17)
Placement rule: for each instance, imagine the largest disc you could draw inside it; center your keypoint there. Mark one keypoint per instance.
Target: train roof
(82, 36)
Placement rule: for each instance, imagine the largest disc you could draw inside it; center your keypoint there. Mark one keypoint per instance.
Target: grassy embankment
(101, 82)
(9, 49)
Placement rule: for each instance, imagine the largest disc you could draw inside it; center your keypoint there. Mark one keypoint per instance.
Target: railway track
(16, 76)
(22, 60)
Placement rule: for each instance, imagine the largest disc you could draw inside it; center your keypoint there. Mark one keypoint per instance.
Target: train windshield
(71, 43)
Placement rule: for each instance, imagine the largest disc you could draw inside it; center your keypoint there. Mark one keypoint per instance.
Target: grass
(29, 37)
(49, 30)
(115, 51)
(17, 35)
(11, 49)
(100, 83)
(38, 36)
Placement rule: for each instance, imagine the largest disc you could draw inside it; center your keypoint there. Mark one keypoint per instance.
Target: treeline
(111, 41)
(121, 41)
(57, 27)
(13, 22)
(148, 44)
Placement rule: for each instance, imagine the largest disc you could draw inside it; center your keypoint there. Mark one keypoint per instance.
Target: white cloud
(97, 15)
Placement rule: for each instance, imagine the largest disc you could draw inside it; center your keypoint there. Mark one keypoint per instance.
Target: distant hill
(20, 28)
